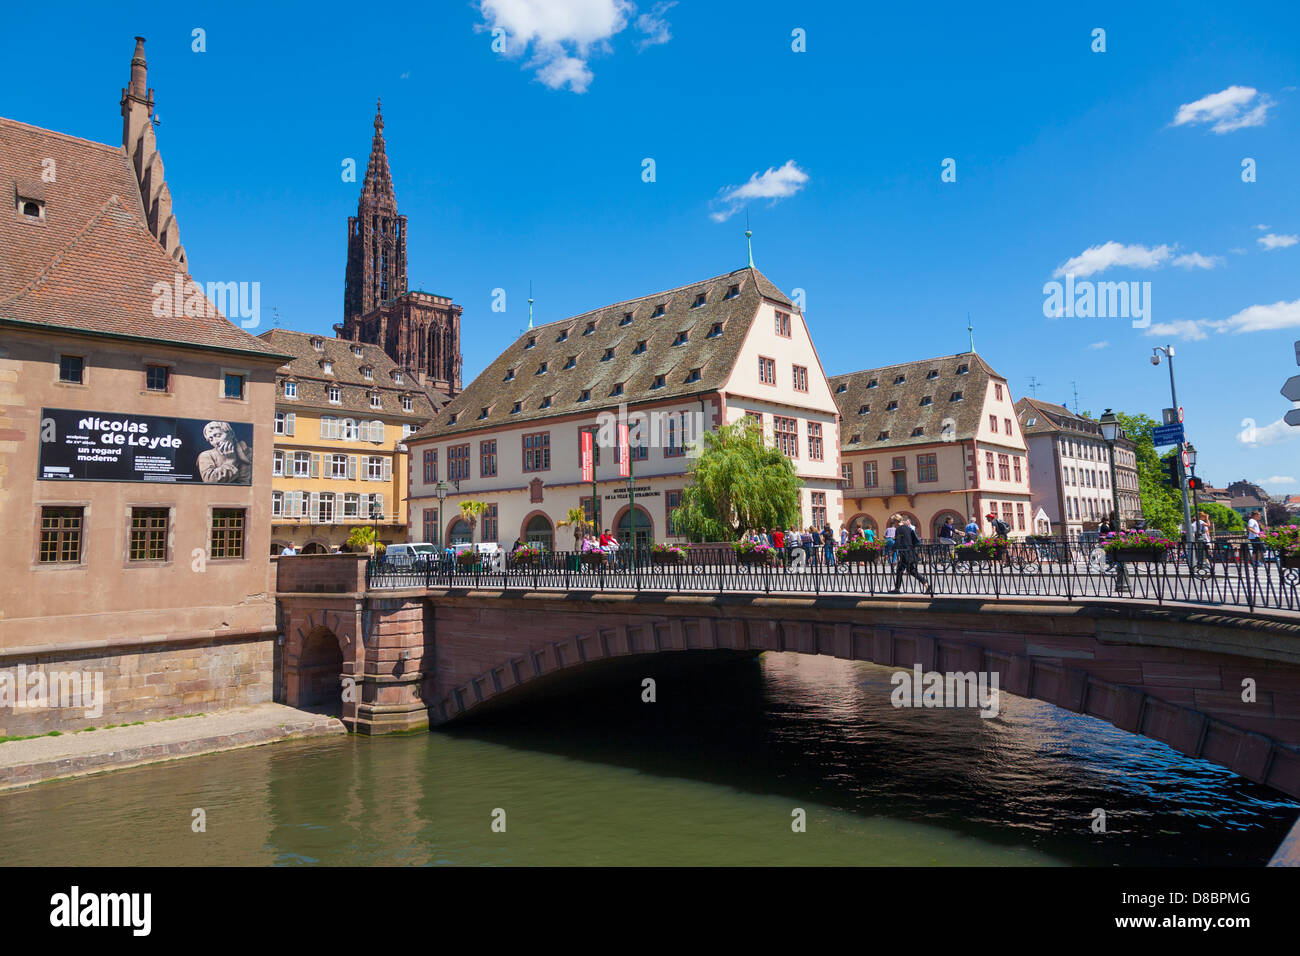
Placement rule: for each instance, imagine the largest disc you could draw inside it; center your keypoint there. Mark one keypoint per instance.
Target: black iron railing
(1237, 576)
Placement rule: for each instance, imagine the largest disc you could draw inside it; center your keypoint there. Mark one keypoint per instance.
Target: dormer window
(397, 378)
(933, 373)
(873, 384)
(900, 379)
(571, 361)
(290, 389)
(626, 320)
(855, 439)
(407, 403)
(682, 337)
(510, 375)
(955, 397)
(546, 402)
(640, 347)
(660, 310)
(532, 340)
(963, 369)
(327, 367)
(883, 436)
(928, 400)
(585, 396)
(715, 331)
(483, 412)
(376, 400)
(892, 407)
(609, 354)
(31, 208)
(694, 376)
(357, 351)
(541, 369)
(864, 409)
(318, 344)
(564, 334)
(367, 373)
(918, 432)
(1030, 423)
(659, 382)
(616, 390)
(516, 408)
(591, 327)
(451, 419)
(732, 292)
(699, 301)
(335, 395)
(842, 387)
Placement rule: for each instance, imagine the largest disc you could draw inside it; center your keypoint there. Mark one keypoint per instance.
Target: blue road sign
(1167, 435)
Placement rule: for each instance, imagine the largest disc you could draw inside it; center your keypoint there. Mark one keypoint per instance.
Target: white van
(412, 555)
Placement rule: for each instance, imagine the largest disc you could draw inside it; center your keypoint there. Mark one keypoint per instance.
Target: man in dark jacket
(906, 545)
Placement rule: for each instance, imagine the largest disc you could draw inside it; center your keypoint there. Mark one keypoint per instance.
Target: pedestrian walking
(828, 543)
(891, 532)
(972, 529)
(948, 538)
(1255, 536)
(906, 545)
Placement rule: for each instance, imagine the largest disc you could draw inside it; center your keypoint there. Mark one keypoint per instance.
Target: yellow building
(342, 413)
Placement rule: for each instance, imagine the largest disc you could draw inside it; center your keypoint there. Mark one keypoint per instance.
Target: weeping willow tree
(737, 483)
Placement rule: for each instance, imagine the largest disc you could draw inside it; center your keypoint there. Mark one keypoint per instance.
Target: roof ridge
(90, 226)
(648, 295)
(937, 358)
(18, 124)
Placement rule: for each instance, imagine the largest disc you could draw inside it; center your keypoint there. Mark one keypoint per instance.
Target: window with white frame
(335, 394)
(290, 389)
(338, 466)
(277, 503)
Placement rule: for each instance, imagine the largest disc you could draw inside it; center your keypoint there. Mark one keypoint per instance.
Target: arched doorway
(645, 531)
(313, 547)
(459, 533)
(320, 668)
(863, 521)
(539, 531)
(957, 523)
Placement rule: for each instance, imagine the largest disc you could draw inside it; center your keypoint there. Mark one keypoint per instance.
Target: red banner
(624, 458)
(587, 473)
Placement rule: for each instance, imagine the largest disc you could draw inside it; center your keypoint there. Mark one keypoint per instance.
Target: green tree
(1222, 518)
(576, 518)
(470, 511)
(736, 483)
(1162, 506)
(362, 537)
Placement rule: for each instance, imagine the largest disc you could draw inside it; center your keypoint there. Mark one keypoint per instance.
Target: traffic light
(1170, 466)
(1195, 484)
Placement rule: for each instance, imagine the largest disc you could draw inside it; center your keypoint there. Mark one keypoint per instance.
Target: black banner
(107, 446)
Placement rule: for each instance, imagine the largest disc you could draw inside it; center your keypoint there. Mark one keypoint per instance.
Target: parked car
(415, 556)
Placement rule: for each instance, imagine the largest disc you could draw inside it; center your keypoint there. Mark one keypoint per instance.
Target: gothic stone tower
(419, 331)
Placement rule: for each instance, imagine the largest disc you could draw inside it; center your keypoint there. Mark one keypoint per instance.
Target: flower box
(667, 558)
(593, 559)
(751, 558)
(1291, 560)
(861, 556)
(1139, 555)
(975, 554)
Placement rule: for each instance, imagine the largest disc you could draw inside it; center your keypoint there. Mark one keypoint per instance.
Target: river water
(716, 770)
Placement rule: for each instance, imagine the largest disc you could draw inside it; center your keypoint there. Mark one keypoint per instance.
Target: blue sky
(1123, 165)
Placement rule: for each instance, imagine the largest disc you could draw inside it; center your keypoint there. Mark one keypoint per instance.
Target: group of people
(809, 546)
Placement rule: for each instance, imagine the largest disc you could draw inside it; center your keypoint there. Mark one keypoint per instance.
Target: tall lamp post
(1168, 352)
(440, 489)
(1110, 432)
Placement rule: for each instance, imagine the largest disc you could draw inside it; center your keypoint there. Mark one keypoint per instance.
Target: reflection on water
(709, 773)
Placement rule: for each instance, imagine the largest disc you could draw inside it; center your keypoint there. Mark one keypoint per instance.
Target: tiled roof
(85, 175)
(346, 368)
(1050, 418)
(101, 282)
(936, 379)
(555, 343)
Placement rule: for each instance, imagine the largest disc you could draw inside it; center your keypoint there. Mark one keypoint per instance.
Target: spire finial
(971, 330)
(748, 241)
(379, 114)
(530, 303)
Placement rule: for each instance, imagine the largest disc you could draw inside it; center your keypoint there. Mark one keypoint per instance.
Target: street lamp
(1110, 432)
(441, 489)
(1168, 352)
(374, 530)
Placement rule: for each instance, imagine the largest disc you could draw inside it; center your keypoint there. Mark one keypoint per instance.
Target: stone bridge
(410, 659)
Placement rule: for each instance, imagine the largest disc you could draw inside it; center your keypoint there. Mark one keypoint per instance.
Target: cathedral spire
(379, 181)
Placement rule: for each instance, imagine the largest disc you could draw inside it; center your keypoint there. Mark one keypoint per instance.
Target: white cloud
(1194, 260)
(1270, 434)
(1254, 318)
(1099, 345)
(1230, 109)
(1108, 255)
(776, 183)
(1277, 242)
(563, 35)
(654, 26)
(1279, 479)
(1263, 228)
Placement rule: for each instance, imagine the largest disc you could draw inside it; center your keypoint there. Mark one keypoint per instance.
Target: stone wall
(137, 682)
